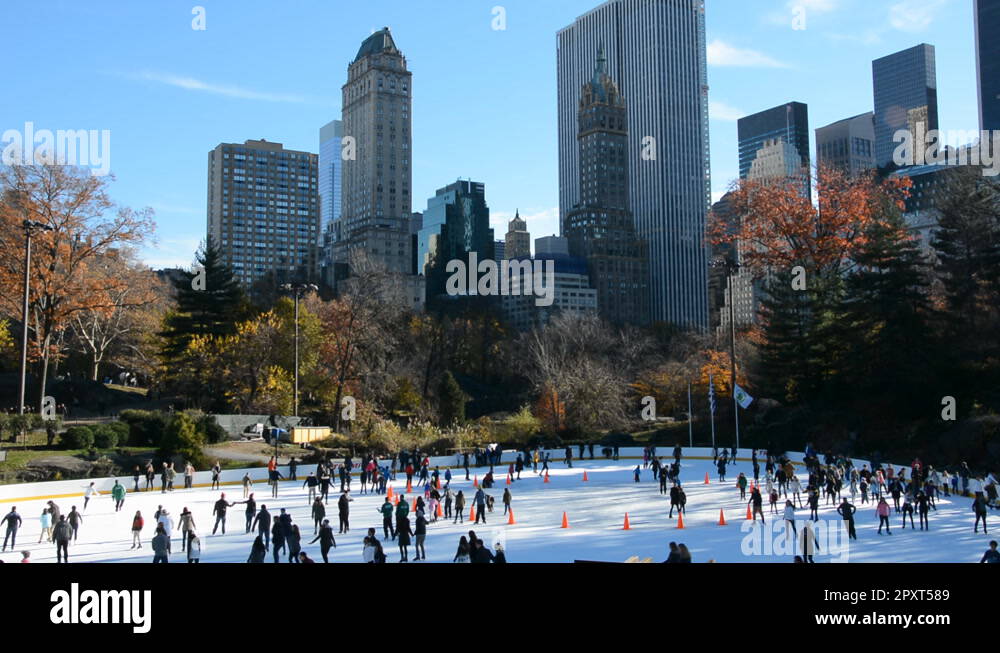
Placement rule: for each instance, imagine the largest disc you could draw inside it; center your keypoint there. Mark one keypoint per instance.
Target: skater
(388, 530)
(789, 517)
(402, 510)
(403, 533)
(810, 542)
(923, 511)
(293, 466)
(187, 526)
(635, 474)
(882, 510)
(136, 473)
(907, 512)
(420, 533)
(171, 475)
(193, 548)
(13, 522)
(326, 540)
(979, 508)
(294, 544)
(46, 522)
(757, 504)
(216, 472)
(459, 507)
(257, 551)
(741, 483)
(721, 465)
(569, 457)
(312, 483)
(273, 477)
(118, 494)
(847, 510)
(189, 478)
(220, 513)
(795, 487)
(262, 522)
(247, 485)
(812, 498)
(992, 556)
(462, 555)
(251, 511)
(61, 534)
(167, 523)
(480, 501)
(506, 500)
(75, 519)
(675, 499)
(137, 524)
(344, 510)
(90, 493)
(150, 475)
(161, 546)
(674, 556)
(318, 514)
(773, 496)
(277, 539)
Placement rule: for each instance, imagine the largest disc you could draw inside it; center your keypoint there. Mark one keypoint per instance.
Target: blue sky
(484, 100)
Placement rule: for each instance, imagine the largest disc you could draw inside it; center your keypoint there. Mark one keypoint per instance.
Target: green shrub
(105, 437)
(78, 437)
(210, 429)
(182, 438)
(146, 428)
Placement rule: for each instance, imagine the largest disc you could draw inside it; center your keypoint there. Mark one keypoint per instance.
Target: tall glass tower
(988, 62)
(656, 53)
(905, 85)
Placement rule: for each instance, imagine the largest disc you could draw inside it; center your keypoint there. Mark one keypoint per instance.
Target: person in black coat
(326, 540)
(480, 554)
(403, 533)
(263, 522)
(277, 540)
(344, 508)
(257, 551)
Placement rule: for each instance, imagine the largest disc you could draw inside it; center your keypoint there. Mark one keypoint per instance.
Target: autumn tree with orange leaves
(66, 266)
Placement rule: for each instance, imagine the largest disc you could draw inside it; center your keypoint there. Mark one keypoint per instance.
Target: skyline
(157, 83)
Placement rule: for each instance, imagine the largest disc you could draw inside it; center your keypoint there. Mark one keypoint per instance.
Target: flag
(711, 394)
(742, 398)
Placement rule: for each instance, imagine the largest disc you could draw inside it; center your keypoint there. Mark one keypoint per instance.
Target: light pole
(297, 289)
(732, 268)
(30, 227)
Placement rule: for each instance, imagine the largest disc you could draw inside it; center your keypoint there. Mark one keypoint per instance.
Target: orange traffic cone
(585, 479)
(409, 487)
(680, 520)
(440, 512)
(508, 479)
(475, 481)
(626, 527)
(413, 507)
(565, 523)
(749, 513)
(395, 500)
(472, 513)
(546, 476)
(510, 520)
(390, 494)
(437, 483)
(707, 482)
(722, 517)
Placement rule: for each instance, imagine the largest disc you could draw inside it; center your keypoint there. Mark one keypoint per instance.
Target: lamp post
(732, 268)
(297, 289)
(30, 227)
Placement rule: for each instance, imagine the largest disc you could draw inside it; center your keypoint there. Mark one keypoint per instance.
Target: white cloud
(721, 53)
(171, 253)
(722, 111)
(914, 15)
(227, 90)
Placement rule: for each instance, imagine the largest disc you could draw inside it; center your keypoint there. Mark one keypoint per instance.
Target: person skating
(118, 495)
(247, 485)
(462, 554)
(569, 457)
(789, 516)
(277, 540)
(907, 512)
(163, 478)
(479, 554)
(75, 519)
(459, 508)
(674, 556)
(741, 483)
(979, 508)
(923, 511)
(167, 522)
(506, 500)
(344, 512)
(420, 534)
(193, 547)
(757, 504)
(324, 484)
(403, 534)
(293, 466)
(882, 510)
(250, 512)
(136, 473)
(683, 554)
(847, 510)
(326, 540)
(682, 499)
(812, 498)
(721, 466)
(294, 544)
(137, 524)
(318, 513)
(13, 522)
(90, 493)
(187, 526)
(150, 475)
(189, 476)
(219, 511)
(675, 499)
(61, 534)
(386, 511)
(402, 510)
(216, 473)
(258, 551)
(480, 501)
(46, 523)
(810, 542)
(171, 475)
(312, 483)
(262, 522)
(794, 486)
(992, 556)
(161, 546)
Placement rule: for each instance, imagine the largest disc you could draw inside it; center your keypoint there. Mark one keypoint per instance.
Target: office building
(775, 144)
(905, 88)
(656, 53)
(263, 211)
(518, 240)
(988, 62)
(848, 145)
(572, 292)
(330, 171)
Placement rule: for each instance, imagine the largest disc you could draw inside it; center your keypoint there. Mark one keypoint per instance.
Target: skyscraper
(263, 210)
(376, 180)
(848, 144)
(330, 171)
(905, 86)
(988, 62)
(518, 241)
(455, 223)
(775, 143)
(600, 228)
(656, 53)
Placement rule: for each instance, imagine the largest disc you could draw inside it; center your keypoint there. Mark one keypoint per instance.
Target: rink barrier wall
(233, 478)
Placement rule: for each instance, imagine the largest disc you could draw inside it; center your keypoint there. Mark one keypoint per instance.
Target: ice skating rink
(595, 510)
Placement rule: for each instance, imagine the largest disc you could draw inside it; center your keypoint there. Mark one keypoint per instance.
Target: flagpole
(690, 418)
(711, 412)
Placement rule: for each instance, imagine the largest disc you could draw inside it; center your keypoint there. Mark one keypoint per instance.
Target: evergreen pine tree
(451, 401)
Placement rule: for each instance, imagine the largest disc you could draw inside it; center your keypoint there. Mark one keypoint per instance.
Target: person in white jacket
(789, 516)
(88, 494)
(368, 553)
(193, 547)
(795, 487)
(168, 525)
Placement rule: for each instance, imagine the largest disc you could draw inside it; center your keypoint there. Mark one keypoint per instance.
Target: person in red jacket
(137, 524)
(882, 510)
